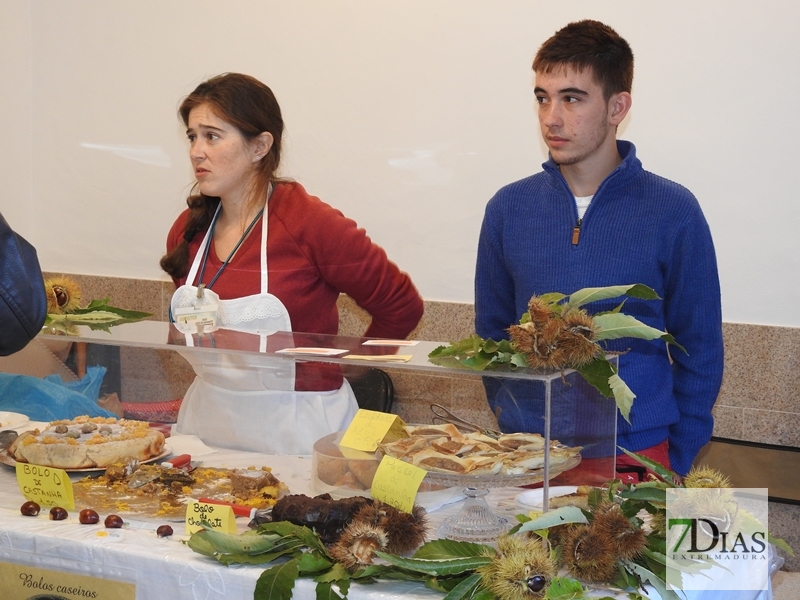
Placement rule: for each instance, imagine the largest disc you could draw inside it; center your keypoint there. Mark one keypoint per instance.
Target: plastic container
(343, 472)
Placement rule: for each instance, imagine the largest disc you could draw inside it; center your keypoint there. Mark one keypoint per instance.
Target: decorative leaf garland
(471, 571)
(64, 312)
(556, 334)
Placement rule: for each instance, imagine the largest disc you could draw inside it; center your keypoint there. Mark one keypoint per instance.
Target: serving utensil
(442, 415)
(240, 510)
(6, 437)
(144, 476)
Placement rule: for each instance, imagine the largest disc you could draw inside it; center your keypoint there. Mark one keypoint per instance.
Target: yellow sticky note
(396, 483)
(369, 428)
(200, 515)
(45, 485)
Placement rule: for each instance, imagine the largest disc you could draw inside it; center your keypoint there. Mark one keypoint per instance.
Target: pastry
(88, 443)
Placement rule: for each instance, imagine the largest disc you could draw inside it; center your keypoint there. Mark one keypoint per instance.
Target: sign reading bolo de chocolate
(20, 582)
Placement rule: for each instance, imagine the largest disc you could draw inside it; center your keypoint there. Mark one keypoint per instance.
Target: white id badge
(198, 318)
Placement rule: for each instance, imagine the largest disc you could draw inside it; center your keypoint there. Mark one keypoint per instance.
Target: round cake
(87, 443)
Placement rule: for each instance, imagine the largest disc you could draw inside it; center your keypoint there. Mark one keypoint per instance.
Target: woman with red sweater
(258, 254)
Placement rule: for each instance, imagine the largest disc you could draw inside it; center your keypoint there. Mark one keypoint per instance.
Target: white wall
(406, 115)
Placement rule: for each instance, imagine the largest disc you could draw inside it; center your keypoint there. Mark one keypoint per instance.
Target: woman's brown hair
(252, 108)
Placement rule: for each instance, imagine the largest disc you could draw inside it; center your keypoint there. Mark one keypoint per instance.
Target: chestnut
(30, 509)
(164, 531)
(58, 514)
(88, 517)
(113, 522)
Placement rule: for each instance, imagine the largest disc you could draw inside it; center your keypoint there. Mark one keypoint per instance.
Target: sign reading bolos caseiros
(21, 582)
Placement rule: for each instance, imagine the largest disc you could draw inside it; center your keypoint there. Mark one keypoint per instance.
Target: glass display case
(149, 365)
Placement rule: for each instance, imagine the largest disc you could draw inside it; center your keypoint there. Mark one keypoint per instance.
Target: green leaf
(277, 582)
(587, 295)
(313, 562)
(623, 396)
(441, 549)
(603, 376)
(671, 340)
(490, 346)
(286, 529)
(668, 476)
(518, 360)
(552, 518)
(597, 373)
(336, 573)
(479, 361)
(325, 591)
(226, 543)
(92, 316)
(504, 346)
(659, 584)
(646, 493)
(565, 588)
(438, 567)
(466, 589)
(102, 305)
(552, 298)
(612, 326)
(780, 543)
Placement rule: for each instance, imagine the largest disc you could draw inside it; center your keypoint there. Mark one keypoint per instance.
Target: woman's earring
(258, 157)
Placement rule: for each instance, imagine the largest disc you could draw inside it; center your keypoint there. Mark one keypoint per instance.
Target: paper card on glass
(369, 428)
(313, 351)
(380, 357)
(390, 343)
(396, 483)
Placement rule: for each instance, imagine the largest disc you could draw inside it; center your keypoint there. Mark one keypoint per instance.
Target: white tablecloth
(161, 568)
(167, 568)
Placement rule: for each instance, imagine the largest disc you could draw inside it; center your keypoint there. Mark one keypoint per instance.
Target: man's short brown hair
(589, 44)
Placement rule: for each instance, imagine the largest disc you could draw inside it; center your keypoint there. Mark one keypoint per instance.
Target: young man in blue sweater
(594, 217)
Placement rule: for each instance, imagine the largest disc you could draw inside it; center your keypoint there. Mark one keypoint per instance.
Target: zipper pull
(576, 233)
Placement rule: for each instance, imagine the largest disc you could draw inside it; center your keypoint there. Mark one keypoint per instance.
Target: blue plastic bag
(51, 399)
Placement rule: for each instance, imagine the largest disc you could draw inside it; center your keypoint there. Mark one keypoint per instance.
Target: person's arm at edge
(23, 303)
(694, 318)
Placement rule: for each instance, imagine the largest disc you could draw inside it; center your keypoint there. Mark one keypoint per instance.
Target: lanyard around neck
(230, 256)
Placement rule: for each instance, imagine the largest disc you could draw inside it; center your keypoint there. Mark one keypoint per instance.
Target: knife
(145, 476)
(238, 509)
(179, 462)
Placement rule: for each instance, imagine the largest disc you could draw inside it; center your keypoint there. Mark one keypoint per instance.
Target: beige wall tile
(771, 427)
(728, 422)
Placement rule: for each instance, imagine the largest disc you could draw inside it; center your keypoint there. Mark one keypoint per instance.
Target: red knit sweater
(314, 253)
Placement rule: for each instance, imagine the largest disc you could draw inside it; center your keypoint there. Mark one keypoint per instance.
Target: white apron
(247, 401)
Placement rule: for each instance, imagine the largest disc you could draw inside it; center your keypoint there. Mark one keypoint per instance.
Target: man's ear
(618, 106)
(262, 144)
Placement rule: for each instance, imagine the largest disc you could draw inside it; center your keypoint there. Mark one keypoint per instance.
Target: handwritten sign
(396, 483)
(45, 485)
(200, 515)
(20, 582)
(369, 428)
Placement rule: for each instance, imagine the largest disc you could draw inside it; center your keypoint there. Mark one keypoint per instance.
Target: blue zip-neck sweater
(639, 228)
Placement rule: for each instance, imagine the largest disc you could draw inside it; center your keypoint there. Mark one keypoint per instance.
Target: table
(166, 567)
(161, 568)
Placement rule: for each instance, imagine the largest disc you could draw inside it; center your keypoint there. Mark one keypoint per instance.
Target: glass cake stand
(477, 522)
